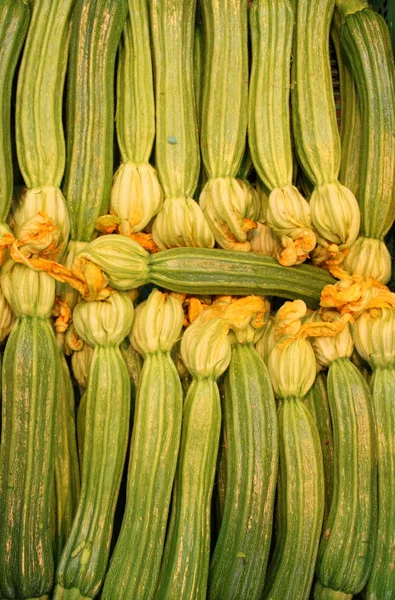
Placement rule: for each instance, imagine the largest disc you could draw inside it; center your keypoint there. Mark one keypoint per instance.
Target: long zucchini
(82, 565)
(135, 563)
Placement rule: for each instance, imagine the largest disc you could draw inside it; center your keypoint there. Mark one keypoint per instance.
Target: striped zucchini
(206, 353)
(317, 402)
(181, 221)
(96, 31)
(67, 470)
(345, 561)
(366, 41)
(14, 21)
(31, 387)
(82, 565)
(374, 341)
(334, 209)
(203, 271)
(224, 119)
(269, 135)
(136, 195)
(292, 368)
(238, 565)
(135, 563)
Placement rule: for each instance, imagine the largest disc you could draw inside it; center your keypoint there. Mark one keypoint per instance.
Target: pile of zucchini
(197, 339)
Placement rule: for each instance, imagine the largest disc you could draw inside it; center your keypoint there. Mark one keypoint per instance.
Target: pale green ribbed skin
(198, 64)
(225, 100)
(238, 565)
(381, 582)
(317, 402)
(300, 504)
(135, 119)
(96, 31)
(346, 549)
(39, 128)
(269, 135)
(316, 135)
(185, 564)
(83, 563)
(177, 151)
(14, 21)
(67, 470)
(366, 41)
(350, 118)
(135, 563)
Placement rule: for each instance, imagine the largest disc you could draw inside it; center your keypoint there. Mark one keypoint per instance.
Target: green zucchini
(135, 563)
(206, 353)
(269, 135)
(238, 565)
(374, 341)
(31, 387)
(181, 221)
(96, 32)
(14, 21)
(136, 195)
(82, 565)
(334, 209)
(317, 402)
(366, 42)
(67, 471)
(203, 271)
(224, 119)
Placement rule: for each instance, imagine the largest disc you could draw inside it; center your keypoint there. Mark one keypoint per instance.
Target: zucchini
(202, 271)
(366, 42)
(334, 209)
(31, 386)
(135, 563)
(375, 343)
(14, 21)
(181, 221)
(269, 135)
(96, 32)
(136, 195)
(224, 119)
(344, 562)
(238, 565)
(183, 575)
(82, 565)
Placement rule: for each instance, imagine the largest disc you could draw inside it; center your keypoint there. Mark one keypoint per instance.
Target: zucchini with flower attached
(82, 565)
(181, 221)
(135, 563)
(269, 135)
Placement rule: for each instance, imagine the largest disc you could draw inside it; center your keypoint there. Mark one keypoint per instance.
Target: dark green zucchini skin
(238, 565)
(96, 31)
(30, 389)
(344, 561)
(300, 504)
(381, 583)
(14, 21)
(135, 564)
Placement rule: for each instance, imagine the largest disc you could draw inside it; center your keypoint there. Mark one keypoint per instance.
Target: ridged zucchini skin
(300, 504)
(39, 132)
(366, 41)
(344, 561)
(317, 402)
(82, 565)
(14, 21)
(238, 565)
(67, 470)
(96, 31)
(381, 583)
(135, 563)
(185, 564)
(30, 390)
